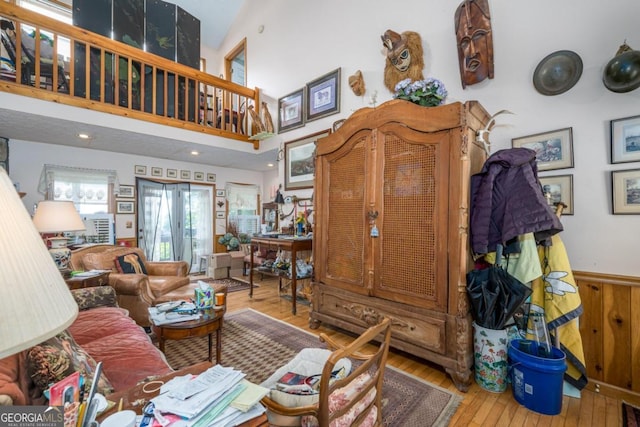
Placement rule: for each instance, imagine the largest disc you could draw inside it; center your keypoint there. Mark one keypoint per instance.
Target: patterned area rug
(233, 285)
(630, 414)
(258, 344)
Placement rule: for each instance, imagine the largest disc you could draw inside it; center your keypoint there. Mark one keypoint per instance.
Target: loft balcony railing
(73, 66)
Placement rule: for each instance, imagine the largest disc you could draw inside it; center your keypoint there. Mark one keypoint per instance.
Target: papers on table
(163, 318)
(218, 389)
(90, 273)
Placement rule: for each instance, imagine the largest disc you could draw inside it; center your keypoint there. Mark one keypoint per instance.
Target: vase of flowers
(429, 92)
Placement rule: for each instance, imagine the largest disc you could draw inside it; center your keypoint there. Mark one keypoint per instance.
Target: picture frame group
(125, 207)
(319, 98)
(299, 161)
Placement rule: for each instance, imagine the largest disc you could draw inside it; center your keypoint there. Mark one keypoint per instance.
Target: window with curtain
(89, 189)
(243, 201)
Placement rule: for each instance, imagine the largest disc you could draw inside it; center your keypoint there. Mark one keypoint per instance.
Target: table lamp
(54, 216)
(35, 302)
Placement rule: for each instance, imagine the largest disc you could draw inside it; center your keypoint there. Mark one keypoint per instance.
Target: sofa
(144, 285)
(102, 332)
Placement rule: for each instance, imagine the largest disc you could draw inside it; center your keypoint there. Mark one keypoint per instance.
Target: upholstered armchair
(136, 290)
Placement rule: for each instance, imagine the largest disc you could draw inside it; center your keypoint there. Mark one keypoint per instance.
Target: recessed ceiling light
(270, 165)
(195, 153)
(84, 136)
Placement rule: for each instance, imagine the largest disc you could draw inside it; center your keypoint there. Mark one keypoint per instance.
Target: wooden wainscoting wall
(610, 330)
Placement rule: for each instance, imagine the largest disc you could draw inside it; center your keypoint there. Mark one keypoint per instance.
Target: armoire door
(411, 250)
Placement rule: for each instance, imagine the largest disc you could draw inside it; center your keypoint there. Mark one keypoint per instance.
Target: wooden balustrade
(73, 66)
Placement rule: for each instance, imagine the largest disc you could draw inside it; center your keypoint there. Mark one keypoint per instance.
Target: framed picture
(127, 192)
(185, 174)
(198, 176)
(4, 153)
(220, 202)
(220, 193)
(559, 189)
(172, 173)
(554, 150)
(156, 171)
(219, 214)
(140, 170)
(211, 177)
(625, 140)
(300, 161)
(291, 111)
(125, 207)
(323, 96)
(626, 191)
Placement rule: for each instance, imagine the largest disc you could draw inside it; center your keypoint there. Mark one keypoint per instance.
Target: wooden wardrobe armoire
(391, 215)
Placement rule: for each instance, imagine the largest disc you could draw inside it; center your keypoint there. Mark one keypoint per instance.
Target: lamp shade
(54, 216)
(35, 302)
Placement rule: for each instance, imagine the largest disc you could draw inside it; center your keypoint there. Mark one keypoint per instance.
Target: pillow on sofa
(130, 264)
(59, 357)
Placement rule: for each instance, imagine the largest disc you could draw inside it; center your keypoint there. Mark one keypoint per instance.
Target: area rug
(233, 285)
(258, 344)
(630, 414)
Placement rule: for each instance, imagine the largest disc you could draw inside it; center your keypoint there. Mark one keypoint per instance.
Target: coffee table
(207, 324)
(135, 397)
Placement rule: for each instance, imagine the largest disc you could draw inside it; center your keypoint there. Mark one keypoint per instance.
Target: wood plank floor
(479, 407)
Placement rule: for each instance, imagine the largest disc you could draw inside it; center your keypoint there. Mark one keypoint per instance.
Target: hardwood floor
(479, 407)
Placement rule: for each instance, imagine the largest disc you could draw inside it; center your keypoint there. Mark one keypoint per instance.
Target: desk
(132, 398)
(292, 245)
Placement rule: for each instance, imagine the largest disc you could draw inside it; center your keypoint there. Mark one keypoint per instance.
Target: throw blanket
(556, 295)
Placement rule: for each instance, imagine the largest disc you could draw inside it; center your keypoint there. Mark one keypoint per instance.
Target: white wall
(305, 39)
(27, 159)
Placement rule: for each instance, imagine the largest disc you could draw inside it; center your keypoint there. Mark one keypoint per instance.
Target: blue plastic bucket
(537, 381)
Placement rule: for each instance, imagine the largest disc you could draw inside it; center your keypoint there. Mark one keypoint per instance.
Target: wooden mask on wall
(404, 57)
(475, 41)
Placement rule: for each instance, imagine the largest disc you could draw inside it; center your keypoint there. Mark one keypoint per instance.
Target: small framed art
(127, 192)
(155, 171)
(221, 193)
(125, 207)
(140, 170)
(172, 173)
(626, 191)
(220, 214)
(291, 111)
(300, 161)
(625, 140)
(559, 189)
(211, 177)
(185, 174)
(554, 149)
(323, 96)
(198, 176)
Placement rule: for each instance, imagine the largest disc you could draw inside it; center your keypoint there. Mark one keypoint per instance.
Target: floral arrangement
(429, 92)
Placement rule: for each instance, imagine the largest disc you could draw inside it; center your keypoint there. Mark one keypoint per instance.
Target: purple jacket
(507, 201)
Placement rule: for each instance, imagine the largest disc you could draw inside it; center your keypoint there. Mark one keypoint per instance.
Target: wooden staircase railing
(112, 77)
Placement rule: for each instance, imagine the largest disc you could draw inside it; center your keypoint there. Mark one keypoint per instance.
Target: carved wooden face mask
(397, 50)
(475, 41)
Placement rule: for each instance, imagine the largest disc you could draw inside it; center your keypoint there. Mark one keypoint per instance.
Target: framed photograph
(172, 173)
(291, 111)
(127, 192)
(140, 170)
(156, 171)
(125, 207)
(220, 202)
(625, 140)
(323, 96)
(220, 193)
(554, 150)
(559, 189)
(185, 174)
(198, 176)
(626, 191)
(219, 214)
(300, 161)
(211, 177)
(4, 153)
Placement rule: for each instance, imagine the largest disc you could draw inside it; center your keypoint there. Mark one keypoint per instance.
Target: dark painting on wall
(160, 37)
(4, 153)
(93, 15)
(128, 22)
(188, 34)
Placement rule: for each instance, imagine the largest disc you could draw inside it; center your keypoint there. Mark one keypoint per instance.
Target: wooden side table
(101, 279)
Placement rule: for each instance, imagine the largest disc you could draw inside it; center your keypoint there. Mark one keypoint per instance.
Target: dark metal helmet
(622, 73)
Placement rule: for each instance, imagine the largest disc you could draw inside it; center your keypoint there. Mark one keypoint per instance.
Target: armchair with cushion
(354, 398)
(139, 283)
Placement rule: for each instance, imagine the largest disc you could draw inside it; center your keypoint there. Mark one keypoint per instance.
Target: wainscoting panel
(610, 330)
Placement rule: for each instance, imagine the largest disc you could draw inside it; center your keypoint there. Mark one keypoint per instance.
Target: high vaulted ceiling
(39, 125)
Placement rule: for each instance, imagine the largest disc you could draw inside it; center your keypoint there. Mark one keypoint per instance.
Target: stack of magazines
(173, 312)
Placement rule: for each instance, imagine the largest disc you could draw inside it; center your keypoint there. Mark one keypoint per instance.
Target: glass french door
(174, 221)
